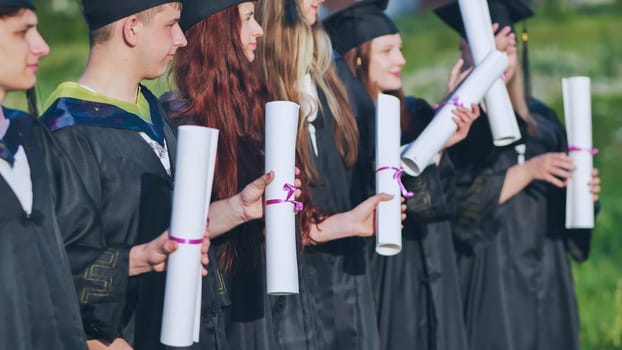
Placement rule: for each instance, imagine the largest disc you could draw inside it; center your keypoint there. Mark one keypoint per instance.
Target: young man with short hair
(119, 138)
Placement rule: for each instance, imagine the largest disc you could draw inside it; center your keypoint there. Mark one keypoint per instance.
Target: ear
(131, 28)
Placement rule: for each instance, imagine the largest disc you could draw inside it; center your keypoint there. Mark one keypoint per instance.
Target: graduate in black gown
(218, 88)
(335, 308)
(530, 238)
(417, 291)
(118, 136)
(41, 198)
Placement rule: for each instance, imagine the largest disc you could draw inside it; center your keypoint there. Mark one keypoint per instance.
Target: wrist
(236, 209)
(138, 260)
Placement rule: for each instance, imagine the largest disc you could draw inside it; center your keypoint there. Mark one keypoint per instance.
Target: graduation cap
(504, 12)
(17, 4)
(196, 10)
(357, 24)
(99, 13)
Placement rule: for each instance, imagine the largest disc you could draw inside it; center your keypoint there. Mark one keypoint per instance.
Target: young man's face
(21, 46)
(162, 38)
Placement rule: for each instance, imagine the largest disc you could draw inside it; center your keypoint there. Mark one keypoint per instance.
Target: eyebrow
(27, 26)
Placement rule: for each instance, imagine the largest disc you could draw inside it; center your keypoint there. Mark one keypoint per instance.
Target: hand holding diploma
(358, 222)
(152, 256)
(420, 153)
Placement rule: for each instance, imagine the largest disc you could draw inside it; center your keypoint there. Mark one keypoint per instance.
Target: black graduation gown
(417, 292)
(537, 271)
(133, 193)
(335, 308)
(480, 171)
(37, 300)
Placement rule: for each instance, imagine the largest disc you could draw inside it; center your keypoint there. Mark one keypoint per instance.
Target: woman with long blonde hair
(335, 307)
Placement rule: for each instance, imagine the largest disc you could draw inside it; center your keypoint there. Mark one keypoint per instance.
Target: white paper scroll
(281, 253)
(196, 155)
(417, 155)
(578, 114)
(208, 200)
(388, 213)
(478, 27)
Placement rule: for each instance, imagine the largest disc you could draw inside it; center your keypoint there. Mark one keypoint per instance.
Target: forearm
(517, 177)
(224, 215)
(332, 228)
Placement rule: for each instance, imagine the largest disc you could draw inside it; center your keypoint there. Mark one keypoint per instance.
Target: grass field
(585, 42)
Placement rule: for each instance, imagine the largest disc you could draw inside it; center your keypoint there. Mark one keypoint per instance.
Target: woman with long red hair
(219, 89)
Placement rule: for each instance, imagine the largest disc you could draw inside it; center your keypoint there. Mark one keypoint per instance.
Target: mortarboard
(357, 24)
(196, 10)
(17, 4)
(504, 12)
(99, 13)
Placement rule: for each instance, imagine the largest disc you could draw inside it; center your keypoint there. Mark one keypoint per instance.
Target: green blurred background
(565, 40)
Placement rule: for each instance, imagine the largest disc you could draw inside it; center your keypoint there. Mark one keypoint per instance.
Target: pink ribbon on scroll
(290, 189)
(398, 176)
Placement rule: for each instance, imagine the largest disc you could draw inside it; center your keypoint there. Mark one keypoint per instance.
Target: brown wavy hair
(220, 90)
(290, 50)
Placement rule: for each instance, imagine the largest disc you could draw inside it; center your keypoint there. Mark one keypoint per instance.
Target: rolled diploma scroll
(388, 213)
(281, 254)
(478, 27)
(578, 115)
(193, 168)
(417, 155)
(208, 199)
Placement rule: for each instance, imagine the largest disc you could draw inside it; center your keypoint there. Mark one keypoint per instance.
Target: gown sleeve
(433, 192)
(481, 170)
(100, 270)
(433, 189)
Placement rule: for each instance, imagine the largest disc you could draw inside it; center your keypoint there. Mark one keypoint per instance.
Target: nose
(258, 31)
(400, 60)
(179, 38)
(38, 46)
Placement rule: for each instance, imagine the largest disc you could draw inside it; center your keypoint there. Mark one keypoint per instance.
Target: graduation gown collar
(72, 104)
(11, 140)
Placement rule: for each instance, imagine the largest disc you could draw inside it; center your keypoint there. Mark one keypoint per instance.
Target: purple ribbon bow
(398, 176)
(592, 151)
(290, 189)
(453, 101)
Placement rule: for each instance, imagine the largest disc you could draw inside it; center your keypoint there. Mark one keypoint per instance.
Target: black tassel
(525, 61)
